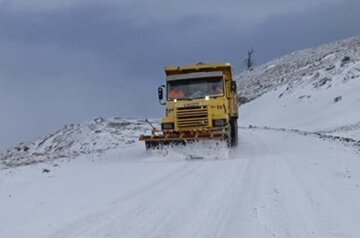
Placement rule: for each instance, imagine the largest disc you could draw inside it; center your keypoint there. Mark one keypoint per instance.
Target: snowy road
(276, 184)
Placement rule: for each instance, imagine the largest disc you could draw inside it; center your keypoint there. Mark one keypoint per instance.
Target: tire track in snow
(194, 183)
(278, 191)
(94, 221)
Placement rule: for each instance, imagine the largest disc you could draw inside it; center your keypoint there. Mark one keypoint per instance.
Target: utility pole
(249, 62)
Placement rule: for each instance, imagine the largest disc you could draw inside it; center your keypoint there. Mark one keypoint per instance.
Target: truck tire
(151, 145)
(233, 132)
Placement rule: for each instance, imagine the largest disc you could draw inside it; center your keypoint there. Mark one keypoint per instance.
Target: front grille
(192, 117)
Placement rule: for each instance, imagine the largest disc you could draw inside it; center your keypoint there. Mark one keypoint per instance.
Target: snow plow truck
(201, 104)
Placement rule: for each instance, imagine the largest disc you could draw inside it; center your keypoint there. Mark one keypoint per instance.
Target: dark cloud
(68, 64)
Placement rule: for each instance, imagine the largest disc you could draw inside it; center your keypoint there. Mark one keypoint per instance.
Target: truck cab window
(195, 88)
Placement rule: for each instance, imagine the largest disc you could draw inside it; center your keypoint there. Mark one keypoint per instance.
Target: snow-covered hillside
(315, 89)
(92, 137)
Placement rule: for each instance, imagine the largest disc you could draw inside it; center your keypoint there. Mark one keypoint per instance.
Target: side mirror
(161, 94)
(233, 86)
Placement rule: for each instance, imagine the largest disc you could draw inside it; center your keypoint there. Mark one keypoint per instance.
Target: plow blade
(175, 138)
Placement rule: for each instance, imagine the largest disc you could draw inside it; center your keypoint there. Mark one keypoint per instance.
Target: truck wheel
(148, 145)
(233, 132)
(151, 145)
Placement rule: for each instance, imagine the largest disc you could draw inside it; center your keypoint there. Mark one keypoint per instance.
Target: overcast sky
(73, 60)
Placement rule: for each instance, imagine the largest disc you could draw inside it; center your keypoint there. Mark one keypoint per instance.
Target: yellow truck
(201, 104)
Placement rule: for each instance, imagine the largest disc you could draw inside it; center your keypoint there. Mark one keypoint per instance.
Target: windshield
(195, 88)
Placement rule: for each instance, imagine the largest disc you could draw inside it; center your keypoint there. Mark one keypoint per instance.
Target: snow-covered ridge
(91, 137)
(319, 66)
(313, 90)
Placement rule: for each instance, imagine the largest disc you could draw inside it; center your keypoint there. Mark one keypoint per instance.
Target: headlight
(167, 126)
(219, 122)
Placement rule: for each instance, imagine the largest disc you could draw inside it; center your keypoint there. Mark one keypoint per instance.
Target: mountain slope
(315, 89)
(92, 137)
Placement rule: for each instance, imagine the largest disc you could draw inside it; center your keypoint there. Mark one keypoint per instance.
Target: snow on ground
(276, 184)
(315, 89)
